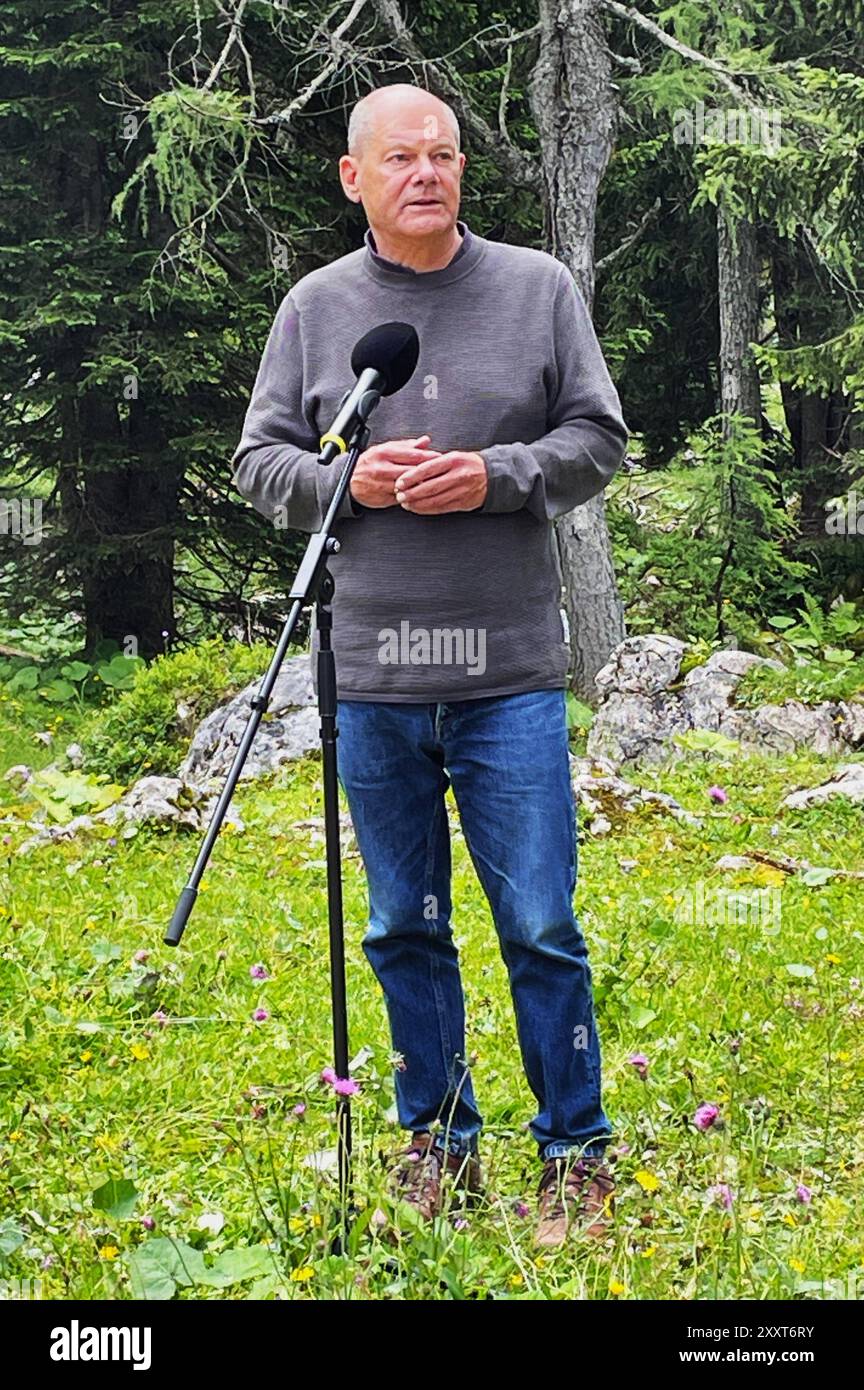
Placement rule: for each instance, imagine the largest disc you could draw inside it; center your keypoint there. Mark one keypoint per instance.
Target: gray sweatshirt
(464, 605)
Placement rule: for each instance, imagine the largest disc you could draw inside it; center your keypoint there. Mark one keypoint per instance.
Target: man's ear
(348, 178)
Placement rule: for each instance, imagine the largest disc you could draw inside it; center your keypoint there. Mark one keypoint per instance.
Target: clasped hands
(408, 474)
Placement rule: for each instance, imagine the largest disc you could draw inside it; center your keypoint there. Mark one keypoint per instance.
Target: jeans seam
(440, 1012)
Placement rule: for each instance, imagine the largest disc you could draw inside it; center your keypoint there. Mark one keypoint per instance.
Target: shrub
(141, 734)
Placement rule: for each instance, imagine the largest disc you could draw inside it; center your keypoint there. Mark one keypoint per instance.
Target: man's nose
(426, 169)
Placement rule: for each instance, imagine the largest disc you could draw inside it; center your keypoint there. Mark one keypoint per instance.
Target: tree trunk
(574, 107)
(818, 425)
(738, 291)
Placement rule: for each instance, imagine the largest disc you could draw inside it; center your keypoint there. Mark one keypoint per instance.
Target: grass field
(152, 1136)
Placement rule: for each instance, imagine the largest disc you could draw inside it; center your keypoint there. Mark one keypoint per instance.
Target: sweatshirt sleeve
(276, 462)
(587, 437)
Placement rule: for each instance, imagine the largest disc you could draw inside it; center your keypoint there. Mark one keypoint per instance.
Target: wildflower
(705, 1116)
(346, 1086)
(87, 1055)
(260, 1015)
(299, 1109)
(140, 1051)
(722, 1193)
(649, 1182)
(522, 1209)
(718, 794)
(141, 956)
(259, 972)
(160, 1017)
(299, 1276)
(148, 1223)
(616, 1288)
(460, 1224)
(803, 1193)
(258, 1112)
(109, 1252)
(640, 1062)
(328, 1075)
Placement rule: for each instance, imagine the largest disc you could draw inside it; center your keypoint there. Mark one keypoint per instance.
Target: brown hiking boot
(423, 1172)
(575, 1197)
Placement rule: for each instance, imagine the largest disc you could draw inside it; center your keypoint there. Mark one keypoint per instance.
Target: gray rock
(848, 780)
(851, 726)
(603, 796)
(642, 665)
(631, 728)
(289, 730)
(707, 690)
(785, 728)
(153, 800)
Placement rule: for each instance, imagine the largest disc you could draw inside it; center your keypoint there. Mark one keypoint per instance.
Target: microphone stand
(313, 583)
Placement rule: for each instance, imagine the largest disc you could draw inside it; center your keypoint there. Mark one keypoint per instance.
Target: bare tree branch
(521, 168)
(335, 42)
(607, 262)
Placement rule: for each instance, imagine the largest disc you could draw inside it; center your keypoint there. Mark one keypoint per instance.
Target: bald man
(450, 642)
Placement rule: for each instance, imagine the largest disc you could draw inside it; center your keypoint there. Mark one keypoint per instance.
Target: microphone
(383, 362)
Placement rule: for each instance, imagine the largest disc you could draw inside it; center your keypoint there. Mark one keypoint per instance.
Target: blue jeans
(507, 760)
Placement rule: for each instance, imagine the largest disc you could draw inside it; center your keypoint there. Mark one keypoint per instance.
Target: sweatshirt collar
(389, 272)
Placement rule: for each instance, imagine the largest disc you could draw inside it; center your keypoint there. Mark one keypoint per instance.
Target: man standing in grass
(509, 421)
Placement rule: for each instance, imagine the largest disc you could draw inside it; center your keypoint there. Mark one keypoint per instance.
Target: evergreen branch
(682, 49)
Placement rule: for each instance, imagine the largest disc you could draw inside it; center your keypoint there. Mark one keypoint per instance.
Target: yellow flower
(516, 1280)
(299, 1276)
(616, 1288)
(788, 1219)
(797, 1265)
(647, 1181)
(843, 1056)
(140, 1051)
(296, 1224)
(651, 1250)
(832, 959)
(109, 1252)
(104, 1141)
(316, 1218)
(15, 1136)
(755, 1214)
(87, 1056)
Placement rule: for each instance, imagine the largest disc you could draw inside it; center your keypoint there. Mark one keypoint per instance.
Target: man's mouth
(424, 203)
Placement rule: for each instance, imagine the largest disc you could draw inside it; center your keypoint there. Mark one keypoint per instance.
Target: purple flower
(460, 1224)
(803, 1193)
(718, 794)
(260, 1015)
(722, 1193)
(141, 956)
(522, 1209)
(299, 1109)
(259, 972)
(705, 1116)
(641, 1063)
(346, 1086)
(258, 1112)
(113, 840)
(160, 1017)
(328, 1075)
(148, 1223)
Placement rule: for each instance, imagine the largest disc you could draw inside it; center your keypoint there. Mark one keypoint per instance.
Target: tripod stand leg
(329, 734)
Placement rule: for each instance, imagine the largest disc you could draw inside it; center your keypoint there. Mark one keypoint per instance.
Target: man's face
(407, 175)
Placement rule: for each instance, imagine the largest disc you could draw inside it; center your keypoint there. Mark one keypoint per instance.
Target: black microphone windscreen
(391, 349)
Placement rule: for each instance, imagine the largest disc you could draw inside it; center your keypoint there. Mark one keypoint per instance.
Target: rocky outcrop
(644, 705)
